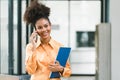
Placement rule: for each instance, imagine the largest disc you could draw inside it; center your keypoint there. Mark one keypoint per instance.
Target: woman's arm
(30, 61)
(64, 71)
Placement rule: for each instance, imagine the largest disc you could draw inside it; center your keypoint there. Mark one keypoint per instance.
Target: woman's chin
(45, 37)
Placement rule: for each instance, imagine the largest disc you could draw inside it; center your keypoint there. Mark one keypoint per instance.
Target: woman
(42, 50)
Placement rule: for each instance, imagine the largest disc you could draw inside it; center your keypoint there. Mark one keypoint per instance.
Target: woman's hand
(33, 38)
(56, 67)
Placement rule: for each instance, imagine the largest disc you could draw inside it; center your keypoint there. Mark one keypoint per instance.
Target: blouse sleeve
(30, 61)
(67, 70)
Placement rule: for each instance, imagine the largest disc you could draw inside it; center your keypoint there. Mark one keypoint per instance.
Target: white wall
(115, 21)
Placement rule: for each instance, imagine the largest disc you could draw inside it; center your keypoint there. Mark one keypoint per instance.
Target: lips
(44, 34)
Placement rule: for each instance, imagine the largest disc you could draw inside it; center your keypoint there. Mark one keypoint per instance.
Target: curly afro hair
(36, 11)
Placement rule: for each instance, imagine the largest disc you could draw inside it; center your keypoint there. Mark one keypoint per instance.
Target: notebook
(62, 57)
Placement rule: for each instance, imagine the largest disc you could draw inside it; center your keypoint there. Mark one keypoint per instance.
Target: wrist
(61, 69)
(33, 46)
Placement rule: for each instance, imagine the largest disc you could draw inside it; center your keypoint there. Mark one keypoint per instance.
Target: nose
(44, 29)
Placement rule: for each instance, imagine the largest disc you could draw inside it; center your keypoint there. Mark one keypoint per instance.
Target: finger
(51, 68)
(57, 62)
(34, 33)
(33, 36)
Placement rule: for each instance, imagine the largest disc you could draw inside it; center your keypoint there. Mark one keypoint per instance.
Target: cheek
(49, 29)
(39, 32)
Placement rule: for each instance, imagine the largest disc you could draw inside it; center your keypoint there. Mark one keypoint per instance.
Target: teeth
(45, 33)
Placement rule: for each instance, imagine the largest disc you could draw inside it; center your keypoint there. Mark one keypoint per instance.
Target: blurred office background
(74, 24)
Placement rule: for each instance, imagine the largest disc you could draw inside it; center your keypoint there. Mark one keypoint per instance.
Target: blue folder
(62, 57)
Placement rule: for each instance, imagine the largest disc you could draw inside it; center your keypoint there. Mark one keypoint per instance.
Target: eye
(39, 27)
(45, 25)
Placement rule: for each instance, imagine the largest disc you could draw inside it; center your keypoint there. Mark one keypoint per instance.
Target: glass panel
(84, 15)
(15, 35)
(83, 68)
(23, 37)
(59, 19)
(4, 36)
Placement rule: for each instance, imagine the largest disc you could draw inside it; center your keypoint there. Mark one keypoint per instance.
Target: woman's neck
(45, 41)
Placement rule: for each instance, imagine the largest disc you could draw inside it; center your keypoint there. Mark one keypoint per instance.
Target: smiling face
(43, 28)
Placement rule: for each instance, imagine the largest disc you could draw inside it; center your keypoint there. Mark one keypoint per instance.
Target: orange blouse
(37, 61)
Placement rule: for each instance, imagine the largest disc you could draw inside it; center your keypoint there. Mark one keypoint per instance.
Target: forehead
(42, 21)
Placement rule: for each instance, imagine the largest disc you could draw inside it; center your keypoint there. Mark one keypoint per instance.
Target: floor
(80, 78)
(9, 77)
